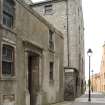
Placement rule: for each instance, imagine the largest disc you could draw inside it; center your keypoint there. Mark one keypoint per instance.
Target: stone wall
(74, 40)
(29, 36)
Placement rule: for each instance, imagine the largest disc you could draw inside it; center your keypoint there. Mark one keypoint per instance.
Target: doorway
(33, 77)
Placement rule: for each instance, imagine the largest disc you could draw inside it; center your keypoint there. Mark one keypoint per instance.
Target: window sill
(51, 82)
(50, 50)
(48, 13)
(4, 78)
(8, 29)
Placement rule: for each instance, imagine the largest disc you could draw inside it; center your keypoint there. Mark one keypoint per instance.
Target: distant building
(67, 16)
(98, 80)
(102, 70)
(31, 57)
(95, 82)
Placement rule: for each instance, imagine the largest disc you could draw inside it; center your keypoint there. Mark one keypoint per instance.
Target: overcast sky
(37, 0)
(94, 21)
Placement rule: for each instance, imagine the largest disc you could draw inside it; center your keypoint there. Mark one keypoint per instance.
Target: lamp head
(89, 52)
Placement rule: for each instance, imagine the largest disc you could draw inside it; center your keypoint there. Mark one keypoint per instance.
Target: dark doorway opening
(33, 77)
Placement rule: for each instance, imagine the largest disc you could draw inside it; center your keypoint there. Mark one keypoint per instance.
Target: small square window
(48, 9)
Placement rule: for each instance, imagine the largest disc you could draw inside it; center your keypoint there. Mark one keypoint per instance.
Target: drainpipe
(68, 49)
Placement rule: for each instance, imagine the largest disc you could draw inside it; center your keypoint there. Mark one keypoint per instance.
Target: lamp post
(92, 80)
(89, 53)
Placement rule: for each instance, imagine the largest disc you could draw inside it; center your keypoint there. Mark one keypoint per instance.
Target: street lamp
(89, 53)
(92, 81)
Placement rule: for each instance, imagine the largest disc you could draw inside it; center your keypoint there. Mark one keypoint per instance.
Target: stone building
(95, 82)
(98, 80)
(102, 70)
(66, 15)
(31, 57)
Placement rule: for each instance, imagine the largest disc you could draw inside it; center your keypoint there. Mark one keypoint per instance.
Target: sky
(94, 21)
(37, 0)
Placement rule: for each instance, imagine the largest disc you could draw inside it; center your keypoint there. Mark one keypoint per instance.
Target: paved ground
(96, 99)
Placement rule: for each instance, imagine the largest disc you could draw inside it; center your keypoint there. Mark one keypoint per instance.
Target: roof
(39, 17)
(45, 2)
(28, 1)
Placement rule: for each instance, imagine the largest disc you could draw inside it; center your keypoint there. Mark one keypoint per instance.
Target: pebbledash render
(67, 16)
(31, 57)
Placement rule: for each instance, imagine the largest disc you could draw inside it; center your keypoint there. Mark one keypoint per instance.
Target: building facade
(66, 15)
(102, 70)
(96, 83)
(98, 80)
(31, 57)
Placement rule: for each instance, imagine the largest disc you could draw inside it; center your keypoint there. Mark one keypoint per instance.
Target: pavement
(97, 98)
(63, 103)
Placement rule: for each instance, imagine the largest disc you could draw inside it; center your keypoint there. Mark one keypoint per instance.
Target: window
(7, 60)
(78, 11)
(51, 42)
(51, 70)
(48, 9)
(8, 13)
(79, 35)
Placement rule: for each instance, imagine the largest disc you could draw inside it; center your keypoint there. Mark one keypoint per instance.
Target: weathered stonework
(67, 16)
(30, 39)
